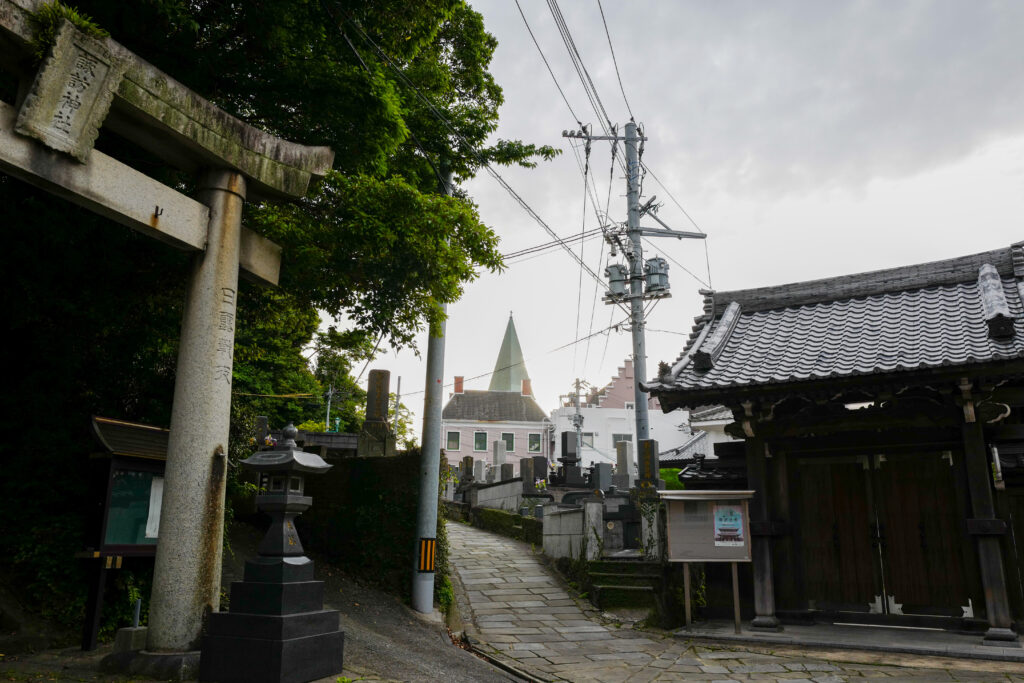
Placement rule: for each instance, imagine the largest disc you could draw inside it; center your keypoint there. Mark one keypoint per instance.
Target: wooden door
(924, 534)
(836, 528)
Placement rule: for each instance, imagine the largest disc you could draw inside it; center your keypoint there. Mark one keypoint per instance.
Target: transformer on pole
(636, 281)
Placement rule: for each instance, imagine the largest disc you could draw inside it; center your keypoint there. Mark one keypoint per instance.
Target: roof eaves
(905, 278)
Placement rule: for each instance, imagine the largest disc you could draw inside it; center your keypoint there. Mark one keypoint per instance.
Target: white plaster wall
(604, 422)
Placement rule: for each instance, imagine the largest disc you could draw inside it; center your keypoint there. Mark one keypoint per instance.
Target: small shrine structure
(883, 424)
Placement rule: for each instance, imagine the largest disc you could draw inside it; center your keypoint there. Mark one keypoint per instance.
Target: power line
(577, 62)
(614, 61)
(672, 197)
(469, 147)
(589, 234)
(550, 71)
(688, 271)
(608, 329)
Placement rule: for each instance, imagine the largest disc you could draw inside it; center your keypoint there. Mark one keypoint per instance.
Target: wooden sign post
(708, 526)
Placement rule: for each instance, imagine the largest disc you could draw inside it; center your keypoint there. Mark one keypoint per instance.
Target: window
(453, 441)
(616, 438)
(533, 445)
(588, 439)
(479, 441)
(510, 441)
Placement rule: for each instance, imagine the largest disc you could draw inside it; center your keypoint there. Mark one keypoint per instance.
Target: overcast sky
(807, 139)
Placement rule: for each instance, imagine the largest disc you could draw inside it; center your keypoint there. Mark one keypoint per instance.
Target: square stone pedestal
(276, 630)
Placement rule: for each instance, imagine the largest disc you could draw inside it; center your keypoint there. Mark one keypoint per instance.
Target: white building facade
(609, 417)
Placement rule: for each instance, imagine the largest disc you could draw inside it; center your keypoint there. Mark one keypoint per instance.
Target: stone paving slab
(524, 615)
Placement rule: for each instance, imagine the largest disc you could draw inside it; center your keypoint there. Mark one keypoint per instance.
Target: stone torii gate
(46, 139)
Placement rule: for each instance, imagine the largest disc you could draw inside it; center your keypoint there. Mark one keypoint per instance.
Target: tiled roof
(696, 443)
(131, 438)
(492, 406)
(709, 413)
(884, 328)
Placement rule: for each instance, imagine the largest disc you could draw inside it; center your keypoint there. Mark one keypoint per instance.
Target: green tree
(97, 309)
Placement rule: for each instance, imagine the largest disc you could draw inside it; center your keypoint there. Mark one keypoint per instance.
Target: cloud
(755, 97)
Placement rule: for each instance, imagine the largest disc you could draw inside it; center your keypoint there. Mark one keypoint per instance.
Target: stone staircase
(624, 584)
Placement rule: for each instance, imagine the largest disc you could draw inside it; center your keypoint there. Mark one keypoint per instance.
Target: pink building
(472, 421)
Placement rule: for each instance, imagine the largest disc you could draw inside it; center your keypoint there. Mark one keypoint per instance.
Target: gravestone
(570, 473)
(375, 438)
(508, 471)
(526, 472)
(491, 473)
(601, 477)
(648, 461)
(540, 467)
(466, 470)
(478, 471)
(498, 448)
(623, 477)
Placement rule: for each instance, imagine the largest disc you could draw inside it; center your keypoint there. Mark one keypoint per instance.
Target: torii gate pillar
(186, 582)
(47, 140)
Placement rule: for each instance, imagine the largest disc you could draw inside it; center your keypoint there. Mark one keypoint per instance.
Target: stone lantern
(277, 629)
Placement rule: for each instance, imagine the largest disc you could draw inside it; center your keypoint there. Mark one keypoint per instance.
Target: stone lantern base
(276, 629)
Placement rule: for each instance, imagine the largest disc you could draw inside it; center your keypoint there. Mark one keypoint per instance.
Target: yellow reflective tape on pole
(428, 552)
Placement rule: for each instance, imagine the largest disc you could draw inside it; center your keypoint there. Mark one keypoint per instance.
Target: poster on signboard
(728, 525)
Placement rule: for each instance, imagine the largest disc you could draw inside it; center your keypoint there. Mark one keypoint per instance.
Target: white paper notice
(156, 498)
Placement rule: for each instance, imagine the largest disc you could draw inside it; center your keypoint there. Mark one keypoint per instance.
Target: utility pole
(398, 402)
(577, 422)
(636, 282)
(648, 280)
(430, 464)
(327, 420)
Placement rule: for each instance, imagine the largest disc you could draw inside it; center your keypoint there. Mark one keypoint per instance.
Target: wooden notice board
(708, 526)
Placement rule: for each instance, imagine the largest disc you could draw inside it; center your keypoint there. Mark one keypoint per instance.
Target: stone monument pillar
(498, 449)
(375, 439)
(623, 477)
(601, 479)
(186, 576)
(526, 472)
(649, 465)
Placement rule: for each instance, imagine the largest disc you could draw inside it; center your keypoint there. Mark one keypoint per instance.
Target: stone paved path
(523, 615)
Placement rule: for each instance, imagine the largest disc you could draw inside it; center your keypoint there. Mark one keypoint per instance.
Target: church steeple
(509, 369)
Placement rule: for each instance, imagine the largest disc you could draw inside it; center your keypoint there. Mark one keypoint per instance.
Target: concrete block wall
(506, 495)
(565, 531)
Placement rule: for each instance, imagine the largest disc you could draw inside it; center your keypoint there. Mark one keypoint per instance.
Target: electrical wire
(614, 61)
(583, 229)
(469, 147)
(672, 197)
(577, 62)
(606, 330)
(688, 271)
(588, 235)
(550, 71)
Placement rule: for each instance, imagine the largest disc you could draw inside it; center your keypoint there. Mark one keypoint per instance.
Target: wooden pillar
(781, 526)
(764, 585)
(985, 528)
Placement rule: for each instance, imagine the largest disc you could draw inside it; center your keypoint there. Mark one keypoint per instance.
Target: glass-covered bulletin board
(708, 526)
(133, 516)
